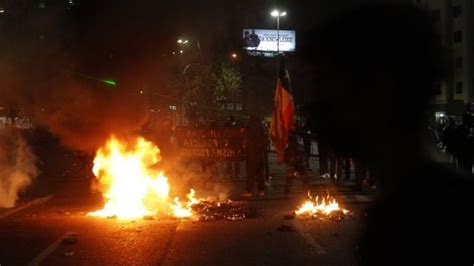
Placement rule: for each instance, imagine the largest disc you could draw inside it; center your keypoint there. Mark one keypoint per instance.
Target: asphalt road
(35, 235)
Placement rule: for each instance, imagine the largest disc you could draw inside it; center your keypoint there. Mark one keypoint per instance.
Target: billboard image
(266, 40)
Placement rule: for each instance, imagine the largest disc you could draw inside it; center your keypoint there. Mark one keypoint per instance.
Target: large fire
(320, 206)
(132, 185)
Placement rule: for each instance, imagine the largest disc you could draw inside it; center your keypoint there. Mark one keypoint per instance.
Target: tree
(205, 88)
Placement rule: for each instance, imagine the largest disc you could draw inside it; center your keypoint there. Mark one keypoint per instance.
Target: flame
(324, 205)
(181, 210)
(131, 184)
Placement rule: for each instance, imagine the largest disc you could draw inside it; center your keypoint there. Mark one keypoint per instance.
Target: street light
(276, 13)
(185, 41)
(234, 55)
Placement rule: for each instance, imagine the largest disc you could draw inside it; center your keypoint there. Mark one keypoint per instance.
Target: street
(57, 232)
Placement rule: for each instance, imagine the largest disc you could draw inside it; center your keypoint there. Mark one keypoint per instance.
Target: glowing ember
(320, 206)
(131, 184)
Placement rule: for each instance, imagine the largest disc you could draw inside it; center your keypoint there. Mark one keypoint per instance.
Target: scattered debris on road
(71, 238)
(229, 210)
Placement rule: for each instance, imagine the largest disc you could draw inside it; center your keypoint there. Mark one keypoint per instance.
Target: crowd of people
(332, 166)
(457, 141)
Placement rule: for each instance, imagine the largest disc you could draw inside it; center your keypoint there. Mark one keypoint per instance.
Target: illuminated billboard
(266, 40)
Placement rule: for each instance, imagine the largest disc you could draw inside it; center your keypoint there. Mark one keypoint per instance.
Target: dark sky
(205, 19)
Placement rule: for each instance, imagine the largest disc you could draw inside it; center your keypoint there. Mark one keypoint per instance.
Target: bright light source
(181, 51)
(174, 53)
(441, 115)
(141, 91)
(234, 55)
(2, 10)
(277, 13)
(182, 41)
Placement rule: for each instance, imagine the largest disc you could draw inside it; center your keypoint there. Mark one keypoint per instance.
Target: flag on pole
(283, 116)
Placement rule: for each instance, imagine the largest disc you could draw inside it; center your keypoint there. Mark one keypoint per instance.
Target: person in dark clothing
(294, 160)
(232, 167)
(254, 39)
(323, 153)
(463, 145)
(343, 163)
(266, 170)
(447, 136)
(256, 145)
(361, 173)
(332, 160)
(366, 90)
(307, 141)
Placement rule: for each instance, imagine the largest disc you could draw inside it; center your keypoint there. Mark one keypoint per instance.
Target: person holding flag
(283, 116)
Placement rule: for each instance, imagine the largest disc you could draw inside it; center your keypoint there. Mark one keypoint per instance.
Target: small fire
(181, 210)
(131, 184)
(320, 206)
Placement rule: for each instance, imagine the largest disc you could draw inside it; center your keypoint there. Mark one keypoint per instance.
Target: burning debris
(134, 188)
(321, 207)
(230, 210)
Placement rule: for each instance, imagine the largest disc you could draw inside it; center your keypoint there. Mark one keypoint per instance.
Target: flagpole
(277, 13)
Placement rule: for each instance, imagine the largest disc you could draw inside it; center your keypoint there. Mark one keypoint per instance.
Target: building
(453, 22)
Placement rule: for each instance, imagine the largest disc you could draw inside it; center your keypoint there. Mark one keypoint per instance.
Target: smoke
(207, 183)
(17, 167)
(83, 115)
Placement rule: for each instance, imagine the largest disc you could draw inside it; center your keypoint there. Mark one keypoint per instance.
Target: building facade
(453, 22)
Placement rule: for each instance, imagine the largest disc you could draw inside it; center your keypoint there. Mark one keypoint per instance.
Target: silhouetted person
(307, 142)
(323, 154)
(256, 145)
(266, 170)
(447, 136)
(361, 170)
(232, 167)
(463, 146)
(376, 67)
(295, 164)
(343, 163)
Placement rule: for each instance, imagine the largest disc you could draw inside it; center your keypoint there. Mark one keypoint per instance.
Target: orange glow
(319, 206)
(131, 184)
